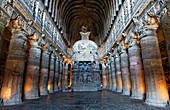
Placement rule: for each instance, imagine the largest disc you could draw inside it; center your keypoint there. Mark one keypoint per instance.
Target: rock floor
(101, 100)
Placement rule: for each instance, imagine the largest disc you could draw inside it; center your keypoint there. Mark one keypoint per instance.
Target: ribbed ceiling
(96, 15)
(93, 14)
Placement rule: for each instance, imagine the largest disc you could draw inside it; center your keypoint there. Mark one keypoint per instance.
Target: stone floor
(101, 100)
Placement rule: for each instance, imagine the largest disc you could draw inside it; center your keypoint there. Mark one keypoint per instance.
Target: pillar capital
(33, 39)
(3, 21)
(147, 26)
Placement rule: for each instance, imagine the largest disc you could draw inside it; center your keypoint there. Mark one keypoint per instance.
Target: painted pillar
(118, 73)
(113, 73)
(136, 70)
(56, 75)
(11, 92)
(165, 22)
(125, 71)
(104, 77)
(66, 76)
(33, 66)
(156, 90)
(44, 71)
(51, 74)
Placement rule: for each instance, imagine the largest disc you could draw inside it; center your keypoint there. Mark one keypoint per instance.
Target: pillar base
(156, 103)
(32, 97)
(44, 93)
(113, 89)
(137, 97)
(56, 90)
(12, 103)
(126, 93)
(119, 91)
(51, 92)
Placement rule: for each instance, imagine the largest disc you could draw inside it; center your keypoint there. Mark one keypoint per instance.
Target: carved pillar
(107, 76)
(118, 73)
(51, 74)
(104, 79)
(65, 75)
(11, 92)
(156, 90)
(44, 71)
(136, 70)
(110, 75)
(3, 20)
(113, 74)
(166, 30)
(33, 65)
(56, 75)
(60, 75)
(125, 71)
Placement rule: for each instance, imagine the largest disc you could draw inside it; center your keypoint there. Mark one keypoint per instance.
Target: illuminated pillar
(113, 74)
(110, 76)
(118, 73)
(165, 22)
(65, 75)
(51, 74)
(125, 71)
(104, 79)
(156, 90)
(60, 75)
(107, 76)
(3, 21)
(11, 92)
(44, 71)
(136, 70)
(56, 75)
(32, 74)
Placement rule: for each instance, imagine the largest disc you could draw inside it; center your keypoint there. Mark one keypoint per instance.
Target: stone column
(156, 90)
(56, 75)
(32, 73)
(11, 92)
(107, 76)
(125, 71)
(44, 71)
(118, 73)
(3, 21)
(110, 76)
(113, 74)
(136, 70)
(165, 22)
(104, 79)
(65, 77)
(51, 74)
(60, 75)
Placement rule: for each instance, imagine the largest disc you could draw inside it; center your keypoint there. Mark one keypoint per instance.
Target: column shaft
(113, 75)
(125, 73)
(51, 75)
(32, 74)
(156, 90)
(118, 74)
(136, 70)
(104, 77)
(44, 72)
(56, 75)
(11, 92)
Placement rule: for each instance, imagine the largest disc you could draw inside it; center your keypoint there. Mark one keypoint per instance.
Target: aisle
(101, 100)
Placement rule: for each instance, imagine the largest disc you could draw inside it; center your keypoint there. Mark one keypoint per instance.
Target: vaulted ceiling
(94, 14)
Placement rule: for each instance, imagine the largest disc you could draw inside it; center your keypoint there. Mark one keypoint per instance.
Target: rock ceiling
(94, 14)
